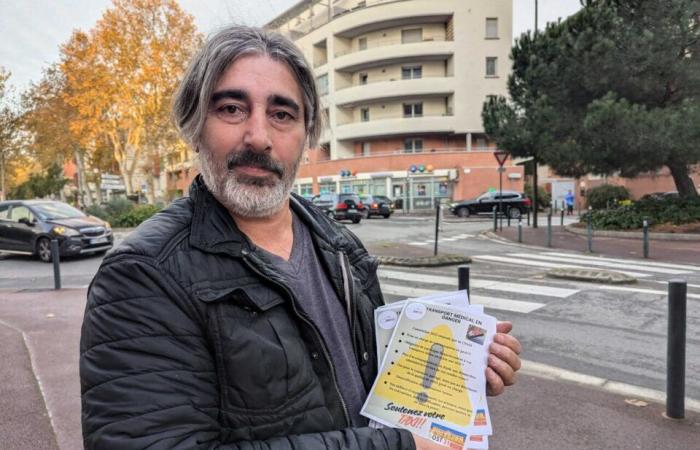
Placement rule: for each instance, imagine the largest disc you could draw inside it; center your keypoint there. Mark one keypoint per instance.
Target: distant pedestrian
(569, 199)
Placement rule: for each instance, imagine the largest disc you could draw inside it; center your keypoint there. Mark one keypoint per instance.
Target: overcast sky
(32, 30)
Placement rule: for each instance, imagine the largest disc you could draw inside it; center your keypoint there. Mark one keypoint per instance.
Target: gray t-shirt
(318, 300)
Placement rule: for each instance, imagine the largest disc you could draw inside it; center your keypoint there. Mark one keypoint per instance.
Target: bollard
(645, 240)
(463, 279)
(56, 259)
(495, 220)
(437, 226)
(590, 230)
(520, 231)
(549, 229)
(562, 217)
(675, 350)
(508, 214)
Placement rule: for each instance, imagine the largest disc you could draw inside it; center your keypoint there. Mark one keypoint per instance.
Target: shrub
(135, 216)
(98, 211)
(676, 211)
(118, 207)
(544, 198)
(606, 196)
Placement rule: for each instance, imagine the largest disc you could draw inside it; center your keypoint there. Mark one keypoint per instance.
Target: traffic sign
(501, 157)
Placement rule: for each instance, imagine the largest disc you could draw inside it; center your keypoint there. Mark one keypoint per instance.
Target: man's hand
(503, 360)
(426, 444)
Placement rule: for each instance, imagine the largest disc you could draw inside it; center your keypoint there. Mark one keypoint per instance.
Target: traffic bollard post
(56, 259)
(562, 217)
(590, 230)
(549, 229)
(437, 226)
(645, 241)
(675, 350)
(508, 213)
(495, 220)
(463, 279)
(520, 231)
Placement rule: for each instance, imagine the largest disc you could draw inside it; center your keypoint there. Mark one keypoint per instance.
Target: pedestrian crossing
(550, 260)
(525, 295)
(445, 239)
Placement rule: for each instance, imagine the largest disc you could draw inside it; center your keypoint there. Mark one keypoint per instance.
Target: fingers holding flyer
(504, 361)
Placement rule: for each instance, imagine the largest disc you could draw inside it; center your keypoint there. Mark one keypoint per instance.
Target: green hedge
(123, 213)
(606, 196)
(676, 211)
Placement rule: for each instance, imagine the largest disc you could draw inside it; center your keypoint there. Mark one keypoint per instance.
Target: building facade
(402, 85)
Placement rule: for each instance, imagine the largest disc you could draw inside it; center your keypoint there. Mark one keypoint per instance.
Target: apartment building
(402, 86)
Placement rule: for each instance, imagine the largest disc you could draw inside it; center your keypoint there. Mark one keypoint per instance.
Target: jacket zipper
(346, 414)
(348, 291)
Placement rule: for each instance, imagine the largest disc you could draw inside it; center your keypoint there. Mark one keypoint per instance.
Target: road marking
(666, 283)
(555, 373)
(599, 263)
(446, 239)
(627, 261)
(488, 302)
(522, 262)
(519, 288)
(642, 291)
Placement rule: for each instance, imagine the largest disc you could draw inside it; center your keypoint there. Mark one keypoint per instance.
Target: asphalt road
(617, 335)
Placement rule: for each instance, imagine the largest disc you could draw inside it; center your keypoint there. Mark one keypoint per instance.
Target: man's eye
(282, 116)
(230, 109)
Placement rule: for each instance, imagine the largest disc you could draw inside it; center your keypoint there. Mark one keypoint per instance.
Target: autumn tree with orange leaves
(120, 78)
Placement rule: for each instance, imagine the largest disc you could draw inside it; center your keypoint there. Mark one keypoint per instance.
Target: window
(412, 145)
(362, 43)
(491, 28)
(20, 212)
(366, 148)
(412, 35)
(413, 109)
(364, 114)
(491, 66)
(322, 83)
(363, 78)
(408, 73)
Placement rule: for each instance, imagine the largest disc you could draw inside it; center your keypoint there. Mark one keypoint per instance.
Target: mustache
(253, 158)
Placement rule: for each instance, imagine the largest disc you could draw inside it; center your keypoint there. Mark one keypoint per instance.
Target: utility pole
(534, 159)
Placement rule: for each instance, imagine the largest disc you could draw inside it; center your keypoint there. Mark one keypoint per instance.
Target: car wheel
(43, 249)
(464, 212)
(356, 219)
(514, 213)
(386, 216)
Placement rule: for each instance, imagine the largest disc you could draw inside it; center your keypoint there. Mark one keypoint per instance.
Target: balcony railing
(378, 43)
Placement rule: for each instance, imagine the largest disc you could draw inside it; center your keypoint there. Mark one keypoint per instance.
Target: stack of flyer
(431, 380)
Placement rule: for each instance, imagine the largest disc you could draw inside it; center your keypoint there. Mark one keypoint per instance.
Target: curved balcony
(396, 54)
(386, 90)
(398, 126)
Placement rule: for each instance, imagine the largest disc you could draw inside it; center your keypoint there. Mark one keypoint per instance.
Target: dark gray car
(514, 204)
(341, 206)
(28, 226)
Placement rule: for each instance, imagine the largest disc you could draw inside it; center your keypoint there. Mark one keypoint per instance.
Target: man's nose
(257, 133)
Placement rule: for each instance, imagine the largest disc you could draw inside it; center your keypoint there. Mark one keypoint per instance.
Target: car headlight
(63, 231)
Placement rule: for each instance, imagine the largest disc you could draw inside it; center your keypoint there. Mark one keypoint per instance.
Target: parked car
(378, 205)
(28, 226)
(515, 204)
(341, 206)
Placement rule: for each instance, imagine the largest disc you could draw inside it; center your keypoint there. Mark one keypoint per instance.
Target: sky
(32, 30)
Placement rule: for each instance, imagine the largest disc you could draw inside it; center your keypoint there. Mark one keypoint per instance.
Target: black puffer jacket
(190, 341)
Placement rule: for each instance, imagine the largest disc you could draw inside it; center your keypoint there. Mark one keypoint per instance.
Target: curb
(591, 275)
(613, 387)
(635, 234)
(423, 261)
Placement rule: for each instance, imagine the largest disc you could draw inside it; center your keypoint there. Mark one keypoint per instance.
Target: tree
(42, 185)
(122, 76)
(10, 137)
(617, 86)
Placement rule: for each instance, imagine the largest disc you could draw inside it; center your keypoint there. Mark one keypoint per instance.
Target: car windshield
(56, 210)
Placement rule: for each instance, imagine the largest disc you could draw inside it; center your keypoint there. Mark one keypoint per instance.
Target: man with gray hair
(241, 317)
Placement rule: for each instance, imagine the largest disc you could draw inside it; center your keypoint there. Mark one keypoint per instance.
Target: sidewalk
(659, 250)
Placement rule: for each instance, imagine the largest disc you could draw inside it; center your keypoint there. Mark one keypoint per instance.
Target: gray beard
(243, 198)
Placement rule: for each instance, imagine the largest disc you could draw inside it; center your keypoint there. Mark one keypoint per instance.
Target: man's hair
(191, 101)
